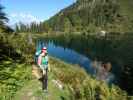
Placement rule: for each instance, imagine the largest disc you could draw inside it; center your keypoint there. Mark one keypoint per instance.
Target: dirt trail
(33, 91)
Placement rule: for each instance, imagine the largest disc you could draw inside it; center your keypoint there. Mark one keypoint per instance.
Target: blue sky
(33, 10)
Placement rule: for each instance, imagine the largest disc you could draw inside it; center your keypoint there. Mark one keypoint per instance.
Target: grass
(33, 90)
(82, 86)
(16, 82)
(12, 77)
(78, 85)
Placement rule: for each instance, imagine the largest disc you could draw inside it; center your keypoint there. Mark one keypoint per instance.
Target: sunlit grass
(82, 86)
(13, 77)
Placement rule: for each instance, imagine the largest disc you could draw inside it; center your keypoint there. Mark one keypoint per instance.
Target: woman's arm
(46, 58)
(39, 60)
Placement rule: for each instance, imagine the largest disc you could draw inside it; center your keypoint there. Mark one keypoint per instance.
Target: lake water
(69, 55)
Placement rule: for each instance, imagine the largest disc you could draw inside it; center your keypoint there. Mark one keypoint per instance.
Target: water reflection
(95, 68)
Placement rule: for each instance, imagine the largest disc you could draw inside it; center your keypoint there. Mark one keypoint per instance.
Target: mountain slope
(95, 15)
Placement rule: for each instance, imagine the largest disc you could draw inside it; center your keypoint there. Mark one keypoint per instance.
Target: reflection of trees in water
(90, 46)
(117, 49)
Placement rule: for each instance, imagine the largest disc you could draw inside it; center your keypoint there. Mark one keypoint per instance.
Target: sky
(27, 11)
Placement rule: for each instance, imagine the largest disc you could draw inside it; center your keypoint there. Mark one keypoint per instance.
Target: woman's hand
(49, 69)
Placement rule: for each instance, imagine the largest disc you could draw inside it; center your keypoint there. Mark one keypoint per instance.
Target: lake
(63, 51)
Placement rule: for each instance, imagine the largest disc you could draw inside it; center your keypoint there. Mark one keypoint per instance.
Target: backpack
(37, 55)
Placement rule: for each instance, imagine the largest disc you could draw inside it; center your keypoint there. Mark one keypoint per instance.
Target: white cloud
(13, 15)
(22, 17)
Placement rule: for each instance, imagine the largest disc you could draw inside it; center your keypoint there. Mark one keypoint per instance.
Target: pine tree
(3, 18)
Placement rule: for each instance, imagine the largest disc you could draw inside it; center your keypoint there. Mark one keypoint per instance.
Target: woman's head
(44, 51)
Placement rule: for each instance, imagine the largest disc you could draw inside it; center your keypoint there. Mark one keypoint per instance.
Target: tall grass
(13, 77)
(84, 87)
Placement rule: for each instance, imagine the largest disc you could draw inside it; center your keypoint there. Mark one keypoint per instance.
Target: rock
(29, 94)
(58, 84)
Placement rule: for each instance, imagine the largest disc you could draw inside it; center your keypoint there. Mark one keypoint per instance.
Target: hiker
(43, 64)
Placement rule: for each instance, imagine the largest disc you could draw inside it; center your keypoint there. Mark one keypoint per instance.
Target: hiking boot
(45, 91)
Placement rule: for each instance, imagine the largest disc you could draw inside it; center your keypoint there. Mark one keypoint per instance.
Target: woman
(43, 64)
